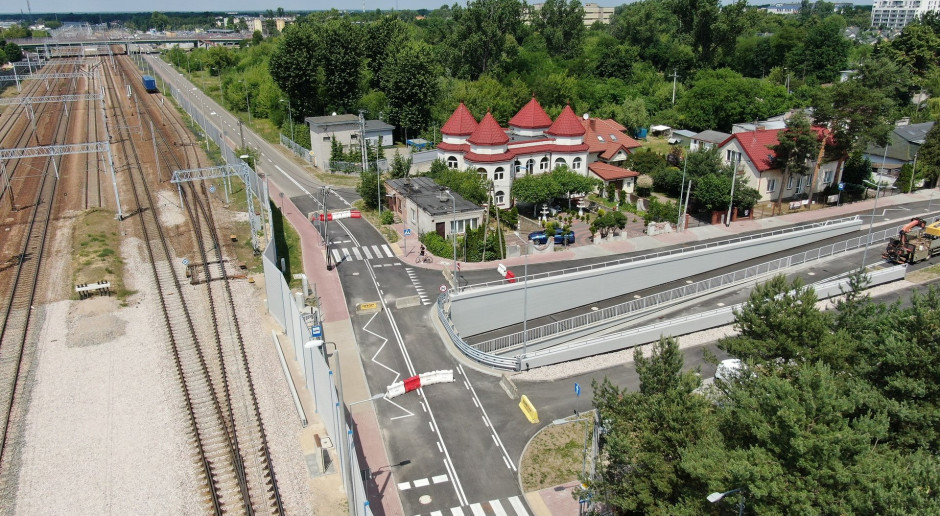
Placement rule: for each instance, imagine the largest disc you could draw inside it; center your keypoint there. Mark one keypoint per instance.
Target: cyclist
(421, 253)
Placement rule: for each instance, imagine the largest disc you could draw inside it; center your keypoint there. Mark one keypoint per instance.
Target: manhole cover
(425, 499)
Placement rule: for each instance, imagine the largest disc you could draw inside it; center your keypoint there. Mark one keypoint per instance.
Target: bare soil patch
(554, 456)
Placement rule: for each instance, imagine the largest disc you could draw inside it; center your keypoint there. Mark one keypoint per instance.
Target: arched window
(482, 172)
(576, 165)
(543, 164)
(559, 162)
(516, 168)
(452, 162)
(529, 166)
(498, 197)
(498, 174)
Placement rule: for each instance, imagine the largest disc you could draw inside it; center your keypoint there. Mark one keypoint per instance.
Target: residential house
(608, 148)
(533, 144)
(903, 144)
(424, 206)
(753, 157)
(345, 128)
(682, 137)
(707, 139)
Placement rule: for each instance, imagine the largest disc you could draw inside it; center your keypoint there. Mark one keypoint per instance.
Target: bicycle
(425, 258)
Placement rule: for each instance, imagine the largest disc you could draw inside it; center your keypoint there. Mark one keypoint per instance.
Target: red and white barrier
(416, 382)
(345, 214)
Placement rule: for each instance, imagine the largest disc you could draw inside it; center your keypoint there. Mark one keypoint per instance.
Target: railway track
(215, 378)
(17, 337)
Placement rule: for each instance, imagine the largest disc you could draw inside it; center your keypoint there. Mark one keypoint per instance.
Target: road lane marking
(496, 438)
(421, 482)
(518, 506)
(438, 479)
(400, 340)
(497, 508)
(367, 253)
(387, 251)
(355, 251)
(404, 486)
(477, 510)
(336, 257)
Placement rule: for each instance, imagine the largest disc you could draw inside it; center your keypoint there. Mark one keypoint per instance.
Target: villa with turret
(534, 144)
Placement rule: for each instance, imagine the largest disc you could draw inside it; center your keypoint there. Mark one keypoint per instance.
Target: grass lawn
(96, 253)
(555, 455)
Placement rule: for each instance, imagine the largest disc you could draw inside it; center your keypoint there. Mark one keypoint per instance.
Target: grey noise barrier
(482, 308)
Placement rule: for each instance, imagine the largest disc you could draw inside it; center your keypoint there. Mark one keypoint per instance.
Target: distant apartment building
(794, 8)
(592, 13)
(895, 14)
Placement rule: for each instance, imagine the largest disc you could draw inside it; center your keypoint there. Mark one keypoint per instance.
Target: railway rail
(215, 379)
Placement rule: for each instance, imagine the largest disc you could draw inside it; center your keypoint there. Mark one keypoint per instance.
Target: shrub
(388, 217)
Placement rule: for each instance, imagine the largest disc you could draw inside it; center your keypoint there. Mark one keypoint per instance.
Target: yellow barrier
(529, 409)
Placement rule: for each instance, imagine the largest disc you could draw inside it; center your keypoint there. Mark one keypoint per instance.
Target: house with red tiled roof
(608, 148)
(751, 152)
(532, 144)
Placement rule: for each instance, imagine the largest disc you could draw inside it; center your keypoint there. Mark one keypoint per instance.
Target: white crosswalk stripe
(425, 300)
(352, 253)
(490, 508)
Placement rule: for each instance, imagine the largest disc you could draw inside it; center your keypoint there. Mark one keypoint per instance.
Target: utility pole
(365, 159)
(674, 76)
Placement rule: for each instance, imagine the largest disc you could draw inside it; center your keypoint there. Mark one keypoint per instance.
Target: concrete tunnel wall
(486, 309)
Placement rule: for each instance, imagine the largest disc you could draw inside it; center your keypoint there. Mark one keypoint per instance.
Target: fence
(631, 259)
(355, 167)
(306, 154)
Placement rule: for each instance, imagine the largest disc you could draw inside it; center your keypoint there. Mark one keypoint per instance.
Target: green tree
(401, 167)
(560, 23)
(536, 189)
(469, 184)
(411, 86)
(720, 98)
(383, 40)
(370, 190)
(928, 157)
(826, 49)
(779, 325)
(295, 65)
(795, 147)
(569, 181)
(641, 467)
(479, 34)
(12, 52)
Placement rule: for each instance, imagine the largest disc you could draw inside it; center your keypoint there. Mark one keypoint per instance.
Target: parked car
(563, 238)
(538, 237)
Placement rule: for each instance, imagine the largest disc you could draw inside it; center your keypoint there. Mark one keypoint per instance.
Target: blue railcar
(150, 84)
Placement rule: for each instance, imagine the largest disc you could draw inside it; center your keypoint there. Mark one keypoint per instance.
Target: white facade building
(895, 14)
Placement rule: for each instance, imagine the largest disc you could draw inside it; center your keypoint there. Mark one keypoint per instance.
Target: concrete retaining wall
(485, 309)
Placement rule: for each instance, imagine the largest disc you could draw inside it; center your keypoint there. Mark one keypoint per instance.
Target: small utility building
(346, 130)
(425, 206)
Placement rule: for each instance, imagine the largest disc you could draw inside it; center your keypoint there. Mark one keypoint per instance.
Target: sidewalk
(690, 236)
(337, 326)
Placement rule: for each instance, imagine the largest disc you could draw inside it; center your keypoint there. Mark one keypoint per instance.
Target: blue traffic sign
(316, 331)
(841, 186)
(407, 232)
(577, 389)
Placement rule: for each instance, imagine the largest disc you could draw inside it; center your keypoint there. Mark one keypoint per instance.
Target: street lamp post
(291, 114)
(871, 222)
(525, 301)
(453, 233)
(734, 175)
(247, 100)
(716, 497)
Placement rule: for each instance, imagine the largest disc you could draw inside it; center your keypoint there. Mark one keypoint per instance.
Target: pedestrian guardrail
(670, 252)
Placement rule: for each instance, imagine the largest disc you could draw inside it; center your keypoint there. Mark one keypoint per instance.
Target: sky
(65, 6)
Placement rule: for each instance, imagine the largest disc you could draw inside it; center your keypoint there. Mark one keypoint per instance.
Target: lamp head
(714, 497)
(315, 343)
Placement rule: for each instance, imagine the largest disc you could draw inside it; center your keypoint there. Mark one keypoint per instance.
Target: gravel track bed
(106, 430)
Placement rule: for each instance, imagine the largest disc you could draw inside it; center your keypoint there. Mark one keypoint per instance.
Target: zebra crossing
(425, 300)
(374, 252)
(513, 507)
